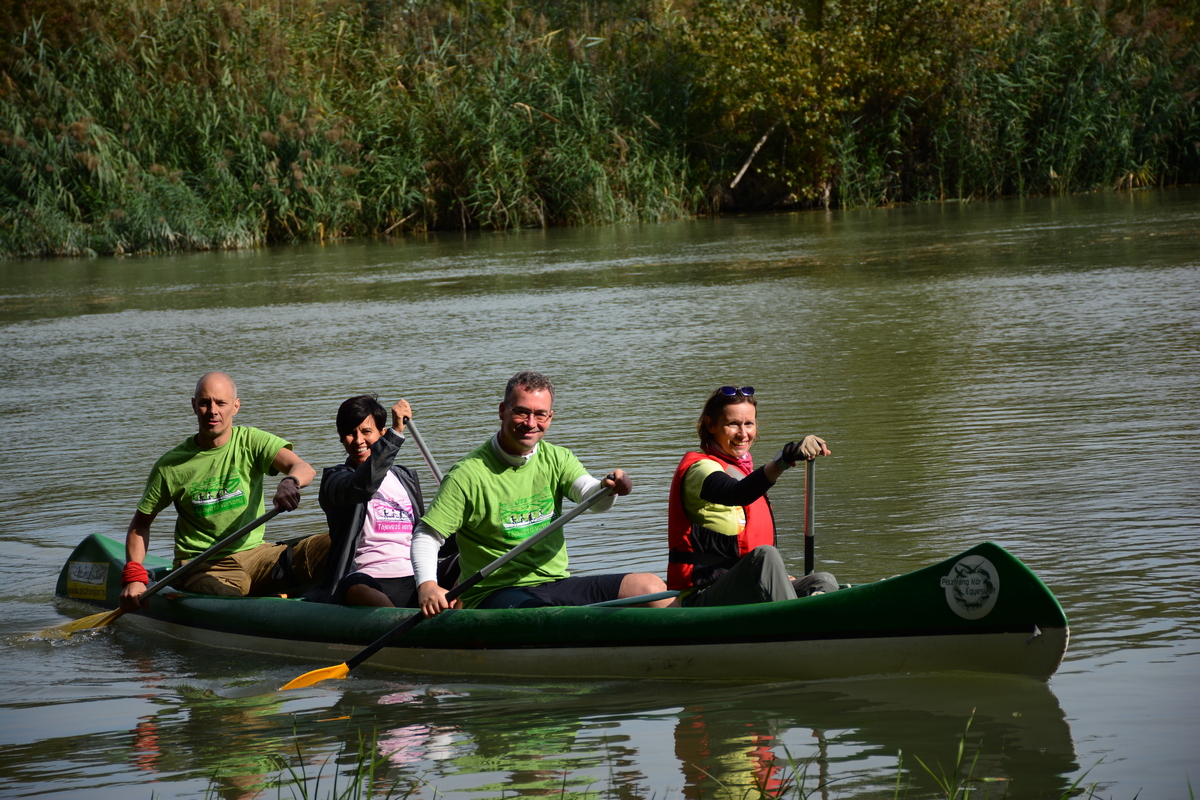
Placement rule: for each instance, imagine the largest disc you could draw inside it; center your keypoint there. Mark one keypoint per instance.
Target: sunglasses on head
(733, 391)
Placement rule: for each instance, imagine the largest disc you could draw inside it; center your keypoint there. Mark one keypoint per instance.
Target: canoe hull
(1006, 653)
(981, 611)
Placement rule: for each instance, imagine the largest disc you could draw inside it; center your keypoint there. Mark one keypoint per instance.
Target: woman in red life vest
(721, 531)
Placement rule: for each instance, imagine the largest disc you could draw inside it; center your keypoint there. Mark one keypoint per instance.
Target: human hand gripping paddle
(807, 450)
(108, 617)
(342, 670)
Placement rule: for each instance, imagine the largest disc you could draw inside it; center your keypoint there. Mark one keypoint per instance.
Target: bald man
(215, 481)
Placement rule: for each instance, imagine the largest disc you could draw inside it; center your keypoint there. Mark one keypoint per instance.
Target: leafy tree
(796, 74)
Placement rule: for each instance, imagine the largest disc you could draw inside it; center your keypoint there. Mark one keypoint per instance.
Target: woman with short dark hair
(372, 503)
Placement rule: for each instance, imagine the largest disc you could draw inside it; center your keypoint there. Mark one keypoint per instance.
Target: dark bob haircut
(353, 411)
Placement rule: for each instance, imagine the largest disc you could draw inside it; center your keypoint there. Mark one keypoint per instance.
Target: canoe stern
(92, 573)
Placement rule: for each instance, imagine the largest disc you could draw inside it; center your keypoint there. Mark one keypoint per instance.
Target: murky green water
(1023, 372)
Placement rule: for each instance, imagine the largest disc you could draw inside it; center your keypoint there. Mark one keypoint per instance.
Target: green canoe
(980, 611)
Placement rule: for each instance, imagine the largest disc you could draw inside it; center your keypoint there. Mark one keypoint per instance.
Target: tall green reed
(948, 101)
(193, 124)
(209, 125)
(1085, 100)
(747, 772)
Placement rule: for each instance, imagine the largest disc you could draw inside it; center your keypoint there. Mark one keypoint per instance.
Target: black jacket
(345, 492)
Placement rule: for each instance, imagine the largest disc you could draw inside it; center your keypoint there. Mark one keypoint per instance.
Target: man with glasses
(505, 491)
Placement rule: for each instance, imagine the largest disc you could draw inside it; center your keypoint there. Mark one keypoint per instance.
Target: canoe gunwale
(918, 621)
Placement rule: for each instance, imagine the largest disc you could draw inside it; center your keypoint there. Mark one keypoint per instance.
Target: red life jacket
(695, 549)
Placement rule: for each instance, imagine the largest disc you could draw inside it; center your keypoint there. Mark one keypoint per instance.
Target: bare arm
(297, 473)
(137, 544)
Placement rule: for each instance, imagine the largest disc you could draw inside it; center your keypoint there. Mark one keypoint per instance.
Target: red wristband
(134, 573)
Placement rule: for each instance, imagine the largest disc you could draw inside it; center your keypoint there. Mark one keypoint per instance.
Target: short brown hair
(533, 381)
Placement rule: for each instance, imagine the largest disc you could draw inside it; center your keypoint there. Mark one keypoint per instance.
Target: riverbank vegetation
(160, 125)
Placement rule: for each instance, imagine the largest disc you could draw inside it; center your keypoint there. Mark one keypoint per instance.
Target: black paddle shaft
(416, 619)
(809, 513)
(411, 622)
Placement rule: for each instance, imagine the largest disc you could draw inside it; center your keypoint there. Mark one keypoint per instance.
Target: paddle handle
(404, 627)
(425, 454)
(809, 512)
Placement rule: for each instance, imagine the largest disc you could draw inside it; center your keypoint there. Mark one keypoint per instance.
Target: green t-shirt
(216, 491)
(491, 507)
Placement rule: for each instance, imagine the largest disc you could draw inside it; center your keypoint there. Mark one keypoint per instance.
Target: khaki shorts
(254, 572)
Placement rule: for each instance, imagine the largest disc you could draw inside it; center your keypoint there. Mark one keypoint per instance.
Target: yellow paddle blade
(316, 676)
(63, 631)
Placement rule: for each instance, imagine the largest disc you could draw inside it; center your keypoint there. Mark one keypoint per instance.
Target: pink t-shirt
(383, 545)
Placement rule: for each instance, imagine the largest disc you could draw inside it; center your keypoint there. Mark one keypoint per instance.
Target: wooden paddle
(342, 670)
(809, 510)
(108, 617)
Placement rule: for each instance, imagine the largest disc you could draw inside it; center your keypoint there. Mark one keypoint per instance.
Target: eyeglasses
(733, 391)
(519, 414)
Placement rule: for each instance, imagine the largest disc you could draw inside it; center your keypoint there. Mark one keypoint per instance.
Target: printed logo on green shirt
(525, 517)
(211, 496)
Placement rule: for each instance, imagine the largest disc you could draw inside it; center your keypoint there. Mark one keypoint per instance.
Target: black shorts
(579, 590)
(401, 591)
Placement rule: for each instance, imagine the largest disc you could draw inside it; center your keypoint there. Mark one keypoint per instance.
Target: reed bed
(164, 125)
(871, 104)
(204, 124)
(1087, 100)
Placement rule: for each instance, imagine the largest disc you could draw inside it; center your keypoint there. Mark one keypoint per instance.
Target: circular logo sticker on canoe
(972, 587)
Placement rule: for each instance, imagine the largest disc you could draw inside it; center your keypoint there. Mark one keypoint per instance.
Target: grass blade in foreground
(342, 670)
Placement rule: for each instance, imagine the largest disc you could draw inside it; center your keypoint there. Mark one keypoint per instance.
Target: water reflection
(201, 731)
(572, 740)
(730, 760)
(232, 743)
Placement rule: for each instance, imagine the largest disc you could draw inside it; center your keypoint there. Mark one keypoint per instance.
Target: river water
(1026, 372)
